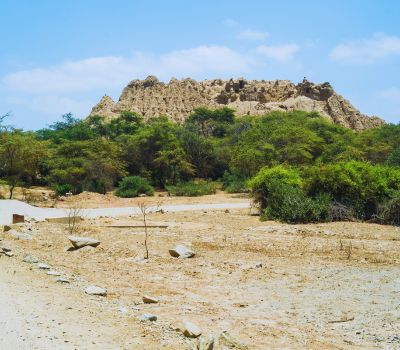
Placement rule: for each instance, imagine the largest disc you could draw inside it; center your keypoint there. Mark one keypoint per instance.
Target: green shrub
(62, 189)
(288, 203)
(132, 186)
(394, 158)
(192, 189)
(261, 184)
(358, 185)
(233, 183)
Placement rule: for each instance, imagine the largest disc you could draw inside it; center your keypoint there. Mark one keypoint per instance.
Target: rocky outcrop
(178, 98)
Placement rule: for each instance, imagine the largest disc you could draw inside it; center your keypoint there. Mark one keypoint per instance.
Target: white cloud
(57, 105)
(75, 86)
(110, 71)
(367, 51)
(255, 35)
(280, 53)
(229, 22)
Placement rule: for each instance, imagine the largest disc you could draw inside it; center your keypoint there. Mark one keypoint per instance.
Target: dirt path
(39, 315)
(9, 207)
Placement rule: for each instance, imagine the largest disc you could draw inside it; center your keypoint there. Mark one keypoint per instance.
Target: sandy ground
(325, 286)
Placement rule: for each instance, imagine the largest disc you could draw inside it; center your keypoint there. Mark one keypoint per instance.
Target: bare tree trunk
(12, 187)
(145, 236)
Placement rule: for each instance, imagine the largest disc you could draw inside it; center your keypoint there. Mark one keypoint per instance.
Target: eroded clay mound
(178, 98)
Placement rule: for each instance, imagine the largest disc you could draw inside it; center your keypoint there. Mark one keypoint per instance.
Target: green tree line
(94, 155)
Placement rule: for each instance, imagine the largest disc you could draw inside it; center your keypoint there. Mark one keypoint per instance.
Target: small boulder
(226, 339)
(79, 242)
(54, 273)
(62, 280)
(190, 330)
(148, 317)
(94, 290)
(30, 259)
(8, 228)
(206, 343)
(181, 251)
(123, 310)
(42, 266)
(19, 235)
(149, 299)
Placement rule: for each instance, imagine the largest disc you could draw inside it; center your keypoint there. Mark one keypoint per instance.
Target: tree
(173, 164)
(211, 122)
(92, 165)
(20, 158)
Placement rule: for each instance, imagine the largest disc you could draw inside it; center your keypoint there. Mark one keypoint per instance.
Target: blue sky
(63, 56)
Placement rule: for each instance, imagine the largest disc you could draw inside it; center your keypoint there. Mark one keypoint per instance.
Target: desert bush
(267, 179)
(62, 189)
(132, 186)
(233, 183)
(192, 188)
(389, 211)
(340, 212)
(288, 203)
(359, 185)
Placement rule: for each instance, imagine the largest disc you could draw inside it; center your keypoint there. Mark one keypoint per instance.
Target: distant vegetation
(192, 188)
(133, 186)
(298, 166)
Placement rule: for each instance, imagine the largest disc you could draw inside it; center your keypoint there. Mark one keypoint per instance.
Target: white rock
(149, 299)
(148, 317)
(79, 242)
(62, 280)
(54, 273)
(123, 310)
(94, 290)
(181, 251)
(19, 235)
(9, 254)
(206, 343)
(42, 266)
(31, 259)
(191, 330)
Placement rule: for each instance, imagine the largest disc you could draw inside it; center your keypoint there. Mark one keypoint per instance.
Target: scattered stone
(149, 300)
(259, 266)
(9, 254)
(206, 343)
(30, 259)
(20, 235)
(190, 330)
(15, 227)
(123, 310)
(79, 242)
(42, 266)
(181, 251)
(148, 317)
(94, 290)
(6, 249)
(54, 273)
(62, 280)
(81, 250)
(226, 339)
